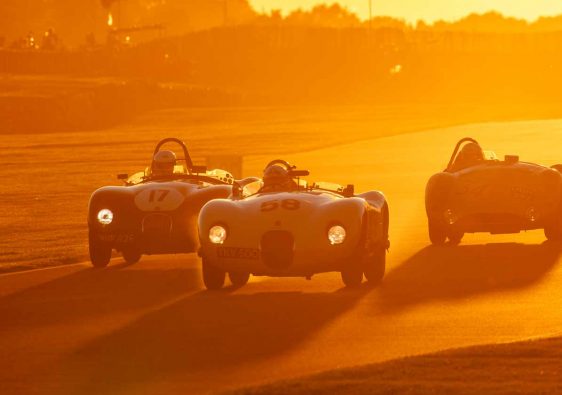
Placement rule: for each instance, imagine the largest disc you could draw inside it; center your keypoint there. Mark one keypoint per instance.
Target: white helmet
(163, 163)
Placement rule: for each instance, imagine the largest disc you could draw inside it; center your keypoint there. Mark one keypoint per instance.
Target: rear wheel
(375, 265)
(553, 231)
(213, 277)
(437, 232)
(455, 236)
(131, 255)
(239, 279)
(100, 253)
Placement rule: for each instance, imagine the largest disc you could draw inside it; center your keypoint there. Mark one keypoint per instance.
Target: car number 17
(287, 204)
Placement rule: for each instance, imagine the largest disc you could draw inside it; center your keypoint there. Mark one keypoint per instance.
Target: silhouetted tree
(324, 15)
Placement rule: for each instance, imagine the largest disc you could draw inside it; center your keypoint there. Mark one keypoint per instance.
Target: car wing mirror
(349, 191)
(299, 173)
(236, 191)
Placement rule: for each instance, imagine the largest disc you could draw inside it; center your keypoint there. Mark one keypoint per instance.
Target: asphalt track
(151, 328)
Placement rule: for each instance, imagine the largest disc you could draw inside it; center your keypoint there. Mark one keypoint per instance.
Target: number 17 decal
(158, 199)
(160, 195)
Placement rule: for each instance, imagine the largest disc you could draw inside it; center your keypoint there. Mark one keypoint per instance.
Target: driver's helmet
(163, 163)
(471, 153)
(276, 177)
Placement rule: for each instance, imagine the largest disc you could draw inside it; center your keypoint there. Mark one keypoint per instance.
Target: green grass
(531, 367)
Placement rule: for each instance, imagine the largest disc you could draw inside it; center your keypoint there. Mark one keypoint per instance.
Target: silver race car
(281, 226)
(156, 211)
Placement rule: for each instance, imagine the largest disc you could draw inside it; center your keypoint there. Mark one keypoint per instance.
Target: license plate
(237, 253)
(117, 238)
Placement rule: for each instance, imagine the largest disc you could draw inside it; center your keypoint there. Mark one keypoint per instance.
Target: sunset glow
(430, 10)
(280, 197)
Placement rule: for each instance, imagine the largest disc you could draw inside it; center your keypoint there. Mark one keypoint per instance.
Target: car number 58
(287, 204)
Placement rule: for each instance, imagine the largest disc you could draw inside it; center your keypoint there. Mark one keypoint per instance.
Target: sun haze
(429, 10)
(226, 195)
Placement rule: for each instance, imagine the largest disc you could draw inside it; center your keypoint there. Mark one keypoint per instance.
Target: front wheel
(352, 276)
(213, 277)
(455, 236)
(100, 253)
(375, 265)
(239, 279)
(131, 255)
(437, 232)
(553, 231)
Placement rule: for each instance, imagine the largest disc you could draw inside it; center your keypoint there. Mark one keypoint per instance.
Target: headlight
(336, 234)
(450, 216)
(217, 234)
(105, 216)
(532, 214)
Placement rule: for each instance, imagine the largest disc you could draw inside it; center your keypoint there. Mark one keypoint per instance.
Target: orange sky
(429, 10)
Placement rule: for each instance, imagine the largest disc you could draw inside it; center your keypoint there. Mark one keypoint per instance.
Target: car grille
(157, 225)
(277, 248)
(492, 219)
(493, 223)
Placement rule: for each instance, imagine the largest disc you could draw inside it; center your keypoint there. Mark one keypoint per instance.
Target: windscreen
(328, 186)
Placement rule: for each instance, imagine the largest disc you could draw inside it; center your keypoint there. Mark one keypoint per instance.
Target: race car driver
(470, 155)
(163, 163)
(277, 179)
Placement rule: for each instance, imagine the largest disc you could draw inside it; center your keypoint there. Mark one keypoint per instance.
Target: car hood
(159, 196)
(285, 210)
(507, 188)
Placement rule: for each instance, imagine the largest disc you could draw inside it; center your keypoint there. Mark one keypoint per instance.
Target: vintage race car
(153, 214)
(300, 231)
(479, 193)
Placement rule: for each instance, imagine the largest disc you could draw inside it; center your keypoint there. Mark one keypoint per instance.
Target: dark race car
(156, 211)
(479, 193)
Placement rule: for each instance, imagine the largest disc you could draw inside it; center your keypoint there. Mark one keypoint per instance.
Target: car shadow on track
(174, 327)
(454, 272)
(89, 293)
(204, 334)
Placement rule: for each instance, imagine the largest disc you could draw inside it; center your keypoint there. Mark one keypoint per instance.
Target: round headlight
(532, 214)
(336, 234)
(450, 216)
(105, 216)
(217, 234)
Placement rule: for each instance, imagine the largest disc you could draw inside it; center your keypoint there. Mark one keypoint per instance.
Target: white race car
(153, 213)
(288, 228)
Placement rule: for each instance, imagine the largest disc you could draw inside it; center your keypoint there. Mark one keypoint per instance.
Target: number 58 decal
(287, 204)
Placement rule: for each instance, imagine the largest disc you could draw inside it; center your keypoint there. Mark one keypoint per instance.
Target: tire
(100, 253)
(239, 279)
(455, 237)
(352, 276)
(213, 277)
(375, 265)
(553, 232)
(131, 255)
(437, 232)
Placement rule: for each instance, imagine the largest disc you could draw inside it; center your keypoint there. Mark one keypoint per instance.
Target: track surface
(151, 328)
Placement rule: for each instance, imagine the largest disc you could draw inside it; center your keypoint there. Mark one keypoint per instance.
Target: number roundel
(158, 199)
(290, 204)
